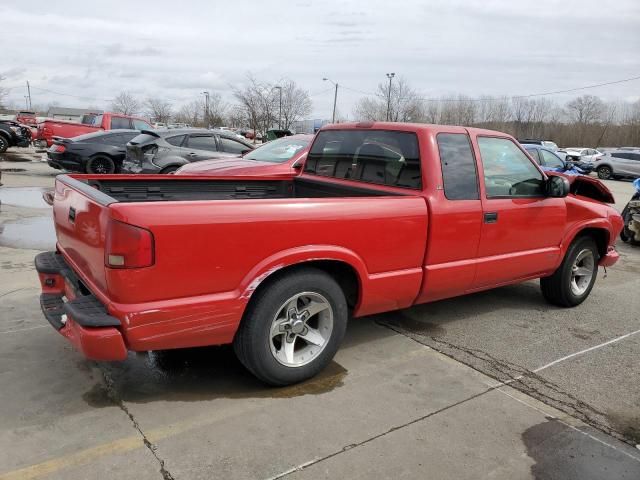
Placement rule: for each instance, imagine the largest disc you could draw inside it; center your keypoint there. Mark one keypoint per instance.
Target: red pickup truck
(383, 217)
(93, 122)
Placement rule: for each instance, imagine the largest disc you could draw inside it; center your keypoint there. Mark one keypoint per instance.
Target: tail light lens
(128, 246)
(58, 148)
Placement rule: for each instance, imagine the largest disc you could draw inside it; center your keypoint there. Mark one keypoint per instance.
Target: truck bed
(132, 189)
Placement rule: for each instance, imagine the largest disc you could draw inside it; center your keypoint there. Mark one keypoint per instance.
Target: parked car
(90, 123)
(100, 152)
(27, 118)
(283, 157)
(544, 143)
(582, 154)
(13, 134)
(275, 133)
(619, 164)
(549, 160)
(276, 267)
(164, 151)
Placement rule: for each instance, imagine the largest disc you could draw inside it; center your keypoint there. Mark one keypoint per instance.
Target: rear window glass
(372, 156)
(458, 167)
(176, 140)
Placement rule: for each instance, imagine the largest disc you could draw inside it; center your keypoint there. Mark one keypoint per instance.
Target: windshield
(279, 151)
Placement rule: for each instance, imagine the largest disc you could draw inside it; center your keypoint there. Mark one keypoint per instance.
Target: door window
(141, 125)
(458, 164)
(203, 143)
(508, 172)
(534, 153)
(550, 160)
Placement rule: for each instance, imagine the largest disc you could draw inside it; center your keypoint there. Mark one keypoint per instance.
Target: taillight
(128, 246)
(58, 148)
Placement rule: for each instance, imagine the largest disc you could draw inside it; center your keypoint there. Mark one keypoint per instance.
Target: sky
(88, 52)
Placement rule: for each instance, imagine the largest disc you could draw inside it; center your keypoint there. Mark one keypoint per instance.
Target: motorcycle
(631, 216)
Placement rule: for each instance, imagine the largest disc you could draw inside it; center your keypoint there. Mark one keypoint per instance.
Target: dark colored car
(548, 159)
(275, 133)
(13, 134)
(164, 151)
(98, 152)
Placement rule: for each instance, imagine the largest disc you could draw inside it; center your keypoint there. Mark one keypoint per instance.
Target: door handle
(192, 154)
(490, 217)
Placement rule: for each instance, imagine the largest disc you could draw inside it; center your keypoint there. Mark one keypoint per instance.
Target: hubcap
(301, 329)
(582, 272)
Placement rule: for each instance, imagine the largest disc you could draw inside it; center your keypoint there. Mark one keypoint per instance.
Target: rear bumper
(81, 319)
(610, 258)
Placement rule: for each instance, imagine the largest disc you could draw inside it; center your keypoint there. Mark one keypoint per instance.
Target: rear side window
(372, 156)
(458, 166)
(120, 123)
(175, 140)
(203, 143)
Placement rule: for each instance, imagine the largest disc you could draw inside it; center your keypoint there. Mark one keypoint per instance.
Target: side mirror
(557, 187)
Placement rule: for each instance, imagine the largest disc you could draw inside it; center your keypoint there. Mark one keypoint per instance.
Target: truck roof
(410, 127)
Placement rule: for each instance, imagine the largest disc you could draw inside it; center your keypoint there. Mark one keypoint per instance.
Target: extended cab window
(120, 123)
(373, 156)
(141, 125)
(508, 172)
(458, 167)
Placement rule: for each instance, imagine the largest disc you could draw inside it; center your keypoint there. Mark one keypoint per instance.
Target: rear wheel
(292, 328)
(4, 144)
(572, 282)
(604, 172)
(101, 164)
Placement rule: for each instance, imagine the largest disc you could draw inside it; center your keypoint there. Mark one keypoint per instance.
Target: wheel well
(343, 273)
(600, 235)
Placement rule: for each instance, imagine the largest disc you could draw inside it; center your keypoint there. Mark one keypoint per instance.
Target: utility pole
(29, 94)
(206, 108)
(335, 99)
(280, 114)
(390, 77)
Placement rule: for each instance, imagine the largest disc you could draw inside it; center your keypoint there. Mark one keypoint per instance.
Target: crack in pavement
(518, 377)
(351, 446)
(114, 397)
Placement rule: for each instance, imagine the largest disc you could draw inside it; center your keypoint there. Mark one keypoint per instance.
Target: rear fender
(300, 256)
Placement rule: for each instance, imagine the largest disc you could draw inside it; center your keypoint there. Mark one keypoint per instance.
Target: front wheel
(572, 282)
(604, 172)
(4, 144)
(292, 328)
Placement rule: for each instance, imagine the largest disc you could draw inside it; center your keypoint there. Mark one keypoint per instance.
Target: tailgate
(81, 216)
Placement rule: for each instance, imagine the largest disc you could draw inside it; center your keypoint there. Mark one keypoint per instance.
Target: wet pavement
(35, 233)
(389, 406)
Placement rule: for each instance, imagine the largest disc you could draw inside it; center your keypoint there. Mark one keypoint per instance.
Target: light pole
(335, 98)
(390, 77)
(206, 108)
(280, 113)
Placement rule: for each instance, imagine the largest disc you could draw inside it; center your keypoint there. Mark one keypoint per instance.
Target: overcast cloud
(178, 49)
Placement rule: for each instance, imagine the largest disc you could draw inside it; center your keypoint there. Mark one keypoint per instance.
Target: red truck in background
(50, 128)
(383, 217)
(27, 118)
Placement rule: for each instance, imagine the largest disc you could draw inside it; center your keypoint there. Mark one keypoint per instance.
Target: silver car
(583, 154)
(619, 164)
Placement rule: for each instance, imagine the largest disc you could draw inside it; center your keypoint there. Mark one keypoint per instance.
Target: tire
(170, 169)
(101, 165)
(271, 342)
(4, 144)
(559, 288)
(604, 172)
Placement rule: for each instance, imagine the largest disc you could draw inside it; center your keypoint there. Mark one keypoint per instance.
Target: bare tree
(259, 101)
(403, 104)
(3, 92)
(296, 103)
(158, 109)
(126, 103)
(585, 109)
(217, 110)
(191, 113)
